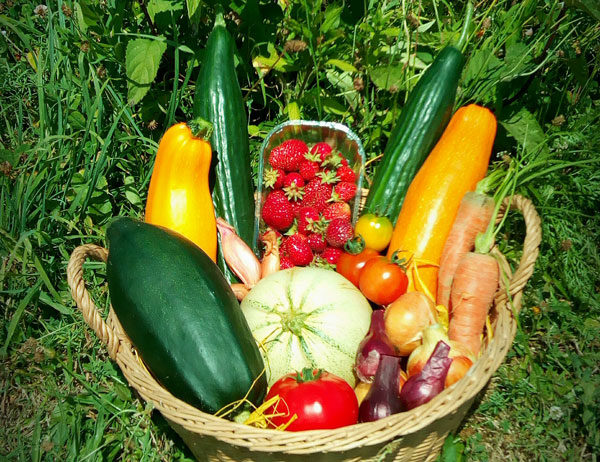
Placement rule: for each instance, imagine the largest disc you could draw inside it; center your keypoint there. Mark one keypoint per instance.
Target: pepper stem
(201, 128)
(462, 40)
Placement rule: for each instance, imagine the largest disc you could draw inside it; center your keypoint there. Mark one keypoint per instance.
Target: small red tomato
(321, 400)
(350, 266)
(382, 281)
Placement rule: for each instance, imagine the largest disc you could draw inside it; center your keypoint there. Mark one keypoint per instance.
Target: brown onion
(270, 261)
(462, 358)
(405, 318)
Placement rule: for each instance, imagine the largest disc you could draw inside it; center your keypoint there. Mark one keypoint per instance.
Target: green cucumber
(182, 316)
(421, 123)
(218, 99)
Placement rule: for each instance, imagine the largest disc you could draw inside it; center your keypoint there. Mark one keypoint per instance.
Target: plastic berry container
(341, 138)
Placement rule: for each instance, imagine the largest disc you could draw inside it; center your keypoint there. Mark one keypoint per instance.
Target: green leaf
(526, 130)
(333, 106)
(86, 15)
(342, 65)
(516, 59)
(141, 63)
(264, 64)
(452, 450)
(591, 7)
(332, 18)
(131, 193)
(483, 65)
(194, 9)
(161, 6)
(387, 77)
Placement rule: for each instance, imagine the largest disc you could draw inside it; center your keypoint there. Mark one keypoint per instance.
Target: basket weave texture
(416, 435)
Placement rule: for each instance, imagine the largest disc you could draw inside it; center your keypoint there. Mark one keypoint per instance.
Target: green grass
(74, 153)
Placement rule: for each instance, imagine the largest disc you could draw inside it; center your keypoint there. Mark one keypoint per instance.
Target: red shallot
(375, 344)
(423, 387)
(383, 399)
(239, 256)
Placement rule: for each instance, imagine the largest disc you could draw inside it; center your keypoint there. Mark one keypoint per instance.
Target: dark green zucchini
(421, 123)
(218, 99)
(182, 316)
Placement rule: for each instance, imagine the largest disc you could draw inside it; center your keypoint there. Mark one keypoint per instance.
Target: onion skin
(239, 256)
(423, 387)
(240, 291)
(383, 398)
(462, 359)
(372, 347)
(270, 261)
(405, 319)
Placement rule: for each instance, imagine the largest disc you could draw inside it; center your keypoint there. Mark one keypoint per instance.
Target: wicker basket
(409, 436)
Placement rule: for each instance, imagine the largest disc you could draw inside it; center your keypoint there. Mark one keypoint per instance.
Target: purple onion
(382, 399)
(424, 386)
(375, 344)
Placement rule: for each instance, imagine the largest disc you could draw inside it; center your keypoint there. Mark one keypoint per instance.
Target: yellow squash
(179, 196)
(454, 166)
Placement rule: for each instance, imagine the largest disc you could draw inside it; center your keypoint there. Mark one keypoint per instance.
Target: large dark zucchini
(416, 131)
(182, 316)
(218, 99)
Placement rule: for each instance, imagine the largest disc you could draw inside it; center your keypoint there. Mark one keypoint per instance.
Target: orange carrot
(472, 218)
(475, 282)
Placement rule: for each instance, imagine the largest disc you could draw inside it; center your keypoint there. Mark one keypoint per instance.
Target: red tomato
(382, 281)
(321, 400)
(350, 265)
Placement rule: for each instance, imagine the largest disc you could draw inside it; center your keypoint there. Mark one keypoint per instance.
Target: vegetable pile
(327, 307)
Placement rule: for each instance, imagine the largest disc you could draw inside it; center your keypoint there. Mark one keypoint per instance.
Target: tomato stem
(400, 261)
(308, 375)
(355, 245)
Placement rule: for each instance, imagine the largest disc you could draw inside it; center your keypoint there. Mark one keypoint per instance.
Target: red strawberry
(293, 186)
(308, 169)
(346, 174)
(298, 250)
(307, 219)
(273, 178)
(288, 155)
(277, 210)
(310, 166)
(317, 242)
(337, 210)
(296, 206)
(328, 176)
(322, 148)
(317, 193)
(332, 255)
(339, 232)
(293, 178)
(344, 191)
(285, 262)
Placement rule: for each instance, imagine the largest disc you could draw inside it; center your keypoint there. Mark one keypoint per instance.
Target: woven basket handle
(533, 237)
(91, 315)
